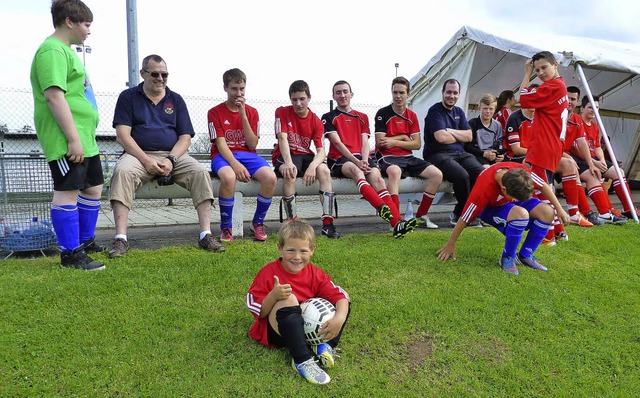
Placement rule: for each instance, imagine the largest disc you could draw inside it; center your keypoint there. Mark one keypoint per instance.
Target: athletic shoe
(531, 262)
(310, 370)
(119, 248)
(579, 219)
(330, 231)
(324, 354)
(615, 212)
(611, 218)
(78, 259)
(428, 223)
(475, 223)
(226, 235)
(385, 212)
(453, 219)
(211, 243)
(91, 246)
(629, 215)
(508, 264)
(548, 242)
(405, 226)
(259, 232)
(593, 218)
(561, 236)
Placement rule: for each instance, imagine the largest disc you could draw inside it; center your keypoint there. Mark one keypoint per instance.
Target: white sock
(120, 236)
(204, 233)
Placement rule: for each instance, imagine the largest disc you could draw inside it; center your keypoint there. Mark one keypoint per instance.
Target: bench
(341, 186)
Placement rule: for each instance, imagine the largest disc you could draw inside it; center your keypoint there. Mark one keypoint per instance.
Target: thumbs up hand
(280, 292)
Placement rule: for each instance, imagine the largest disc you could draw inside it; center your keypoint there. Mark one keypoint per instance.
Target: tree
(4, 129)
(26, 129)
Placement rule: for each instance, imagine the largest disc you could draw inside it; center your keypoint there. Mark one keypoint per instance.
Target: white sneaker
(428, 223)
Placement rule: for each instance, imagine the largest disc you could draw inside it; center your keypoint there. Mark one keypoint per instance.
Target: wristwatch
(172, 159)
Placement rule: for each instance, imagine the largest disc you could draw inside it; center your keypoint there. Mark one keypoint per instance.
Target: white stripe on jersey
(252, 305)
(467, 214)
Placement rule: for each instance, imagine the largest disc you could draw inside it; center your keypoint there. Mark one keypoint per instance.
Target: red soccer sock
(395, 212)
(617, 186)
(326, 219)
(600, 199)
(396, 200)
(583, 202)
(570, 192)
(369, 193)
(425, 204)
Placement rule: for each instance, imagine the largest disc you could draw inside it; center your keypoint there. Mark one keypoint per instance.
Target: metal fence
(17, 134)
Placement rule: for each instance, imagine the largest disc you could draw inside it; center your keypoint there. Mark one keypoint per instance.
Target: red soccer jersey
(301, 131)
(349, 126)
(502, 116)
(575, 130)
(592, 132)
(518, 131)
(549, 123)
(308, 283)
(486, 191)
(223, 123)
(391, 124)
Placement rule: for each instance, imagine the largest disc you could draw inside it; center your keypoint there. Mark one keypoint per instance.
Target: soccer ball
(315, 312)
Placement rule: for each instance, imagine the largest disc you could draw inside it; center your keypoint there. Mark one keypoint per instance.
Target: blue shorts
(251, 161)
(497, 216)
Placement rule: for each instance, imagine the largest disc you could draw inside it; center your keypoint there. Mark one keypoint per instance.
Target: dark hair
(585, 100)
(573, 90)
(449, 81)
(504, 96)
(75, 10)
(234, 75)
(299, 86)
(403, 81)
(339, 82)
(544, 55)
(518, 184)
(152, 57)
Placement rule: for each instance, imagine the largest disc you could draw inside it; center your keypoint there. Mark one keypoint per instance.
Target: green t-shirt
(56, 65)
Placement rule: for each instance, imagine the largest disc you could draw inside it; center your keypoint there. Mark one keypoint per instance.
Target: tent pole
(605, 137)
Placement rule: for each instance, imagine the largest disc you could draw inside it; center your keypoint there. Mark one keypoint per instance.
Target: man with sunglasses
(153, 126)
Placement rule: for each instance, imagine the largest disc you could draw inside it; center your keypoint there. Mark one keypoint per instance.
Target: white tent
(485, 63)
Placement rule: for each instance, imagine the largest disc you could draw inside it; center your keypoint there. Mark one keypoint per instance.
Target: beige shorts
(129, 174)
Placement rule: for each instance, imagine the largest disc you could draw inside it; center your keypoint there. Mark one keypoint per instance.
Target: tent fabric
(486, 63)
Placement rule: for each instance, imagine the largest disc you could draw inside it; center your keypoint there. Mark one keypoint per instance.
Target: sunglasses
(156, 75)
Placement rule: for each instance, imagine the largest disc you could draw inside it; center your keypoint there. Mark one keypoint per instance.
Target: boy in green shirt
(66, 117)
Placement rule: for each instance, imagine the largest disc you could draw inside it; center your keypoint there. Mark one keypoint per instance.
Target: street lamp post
(397, 65)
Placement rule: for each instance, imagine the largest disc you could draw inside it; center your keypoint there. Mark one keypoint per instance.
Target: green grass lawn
(173, 322)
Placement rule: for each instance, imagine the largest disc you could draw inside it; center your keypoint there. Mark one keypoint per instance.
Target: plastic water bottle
(408, 214)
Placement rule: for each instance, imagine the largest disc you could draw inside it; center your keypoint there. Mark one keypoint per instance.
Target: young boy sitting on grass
(502, 197)
(274, 300)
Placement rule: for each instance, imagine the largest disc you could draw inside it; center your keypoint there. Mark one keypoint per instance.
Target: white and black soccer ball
(315, 312)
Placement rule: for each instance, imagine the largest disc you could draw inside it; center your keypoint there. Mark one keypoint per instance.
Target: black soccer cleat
(405, 226)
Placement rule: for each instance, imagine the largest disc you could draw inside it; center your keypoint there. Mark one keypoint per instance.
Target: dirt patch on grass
(418, 350)
(491, 349)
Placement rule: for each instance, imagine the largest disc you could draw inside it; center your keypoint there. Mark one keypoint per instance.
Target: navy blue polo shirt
(153, 127)
(440, 118)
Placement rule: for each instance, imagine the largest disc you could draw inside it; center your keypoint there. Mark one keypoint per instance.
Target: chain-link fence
(26, 183)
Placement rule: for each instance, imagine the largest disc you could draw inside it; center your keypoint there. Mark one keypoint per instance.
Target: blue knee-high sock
(513, 234)
(261, 209)
(226, 212)
(88, 211)
(537, 230)
(65, 222)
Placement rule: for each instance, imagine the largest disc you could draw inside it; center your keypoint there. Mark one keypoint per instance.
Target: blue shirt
(153, 127)
(440, 118)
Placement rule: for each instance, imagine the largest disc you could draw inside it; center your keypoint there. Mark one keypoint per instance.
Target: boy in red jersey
(234, 134)
(274, 300)
(397, 135)
(296, 127)
(348, 132)
(605, 167)
(549, 125)
(502, 198)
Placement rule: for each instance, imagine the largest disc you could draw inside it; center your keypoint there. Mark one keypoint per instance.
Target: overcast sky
(278, 42)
